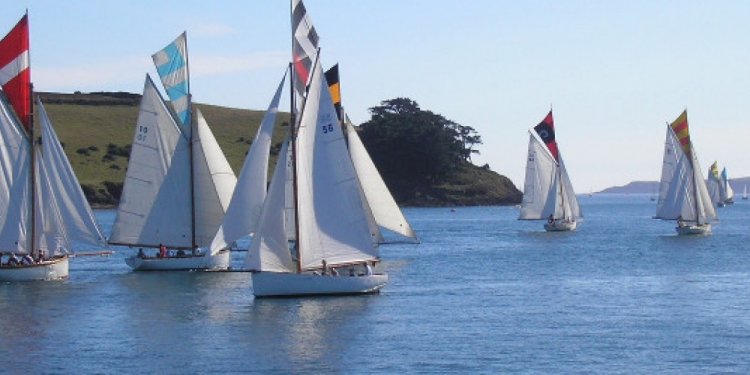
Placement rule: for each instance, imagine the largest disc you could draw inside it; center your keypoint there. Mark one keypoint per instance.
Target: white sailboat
(727, 193)
(548, 193)
(44, 210)
(330, 223)
(178, 183)
(714, 185)
(683, 195)
(744, 193)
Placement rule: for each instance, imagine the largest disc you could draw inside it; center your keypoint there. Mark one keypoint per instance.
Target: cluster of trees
(411, 146)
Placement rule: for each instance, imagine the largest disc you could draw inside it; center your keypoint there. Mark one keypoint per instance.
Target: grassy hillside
(97, 129)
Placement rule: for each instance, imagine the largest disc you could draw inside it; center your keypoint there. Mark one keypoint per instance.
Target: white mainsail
(155, 202)
(714, 184)
(15, 186)
(332, 223)
(246, 204)
(540, 173)
(569, 199)
(727, 191)
(63, 214)
(385, 211)
(682, 190)
(213, 181)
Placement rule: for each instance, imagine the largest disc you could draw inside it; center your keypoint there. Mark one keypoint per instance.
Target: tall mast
(32, 172)
(293, 136)
(190, 149)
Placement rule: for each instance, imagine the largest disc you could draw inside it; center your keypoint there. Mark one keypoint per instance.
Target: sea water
(482, 293)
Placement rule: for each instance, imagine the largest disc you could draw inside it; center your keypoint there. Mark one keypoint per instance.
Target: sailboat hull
(687, 230)
(560, 226)
(53, 269)
(281, 284)
(220, 261)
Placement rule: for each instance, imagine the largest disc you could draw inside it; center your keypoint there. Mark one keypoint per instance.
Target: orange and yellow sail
(680, 128)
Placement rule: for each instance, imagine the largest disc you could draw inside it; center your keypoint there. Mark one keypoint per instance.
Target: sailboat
(727, 196)
(178, 183)
(548, 193)
(379, 201)
(744, 193)
(714, 185)
(683, 195)
(44, 210)
(330, 225)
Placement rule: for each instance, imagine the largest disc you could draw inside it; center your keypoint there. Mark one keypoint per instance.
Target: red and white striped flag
(15, 74)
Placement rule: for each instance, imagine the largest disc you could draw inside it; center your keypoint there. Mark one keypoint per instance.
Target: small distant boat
(178, 183)
(548, 193)
(714, 185)
(744, 193)
(44, 210)
(727, 196)
(683, 195)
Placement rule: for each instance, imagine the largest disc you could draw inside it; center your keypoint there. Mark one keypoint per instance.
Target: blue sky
(614, 71)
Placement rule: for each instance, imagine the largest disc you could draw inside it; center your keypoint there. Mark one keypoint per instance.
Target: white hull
(53, 269)
(560, 226)
(703, 229)
(220, 261)
(280, 284)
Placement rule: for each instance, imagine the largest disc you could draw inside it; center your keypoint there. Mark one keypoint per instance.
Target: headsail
(64, 217)
(15, 184)
(245, 207)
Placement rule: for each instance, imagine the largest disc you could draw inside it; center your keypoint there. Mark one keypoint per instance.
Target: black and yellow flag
(332, 76)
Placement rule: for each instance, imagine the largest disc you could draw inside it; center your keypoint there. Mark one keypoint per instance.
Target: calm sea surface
(482, 293)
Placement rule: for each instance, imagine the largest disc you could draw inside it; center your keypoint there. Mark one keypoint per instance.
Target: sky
(613, 72)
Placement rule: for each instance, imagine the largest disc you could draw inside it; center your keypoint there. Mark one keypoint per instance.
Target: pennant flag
(172, 65)
(546, 131)
(332, 76)
(304, 45)
(680, 128)
(15, 73)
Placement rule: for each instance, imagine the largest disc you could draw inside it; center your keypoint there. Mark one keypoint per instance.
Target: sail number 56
(327, 128)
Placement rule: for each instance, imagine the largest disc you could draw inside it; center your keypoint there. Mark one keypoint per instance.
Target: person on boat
(334, 271)
(325, 267)
(368, 269)
(180, 253)
(680, 222)
(40, 256)
(551, 219)
(27, 260)
(12, 260)
(140, 253)
(162, 251)
(351, 272)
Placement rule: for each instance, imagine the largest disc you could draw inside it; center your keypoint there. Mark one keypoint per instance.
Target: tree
(413, 146)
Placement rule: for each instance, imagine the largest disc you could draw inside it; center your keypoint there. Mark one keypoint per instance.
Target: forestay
(155, 203)
(247, 200)
(63, 214)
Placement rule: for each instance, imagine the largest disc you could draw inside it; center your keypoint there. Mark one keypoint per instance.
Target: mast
(32, 165)
(293, 136)
(190, 150)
